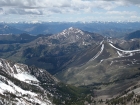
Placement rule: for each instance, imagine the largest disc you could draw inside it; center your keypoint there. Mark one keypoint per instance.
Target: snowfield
(9, 87)
(98, 54)
(12, 88)
(18, 71)
(6, 86)
(130, 51)
(25, 77)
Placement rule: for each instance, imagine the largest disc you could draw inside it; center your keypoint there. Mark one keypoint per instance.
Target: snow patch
(98, 54)
(19, 90)
(120, 55)
(18, 68)
(25, 77)
(101, 61)
(71, 28)
(111, 63)
(101, 42)
(130, 51)
(1, 64)
(26, 96)
(84, 43)
(4, 87)
(123, 53)
(12, 88)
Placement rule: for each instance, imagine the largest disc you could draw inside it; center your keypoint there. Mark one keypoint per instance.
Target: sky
(69, 10)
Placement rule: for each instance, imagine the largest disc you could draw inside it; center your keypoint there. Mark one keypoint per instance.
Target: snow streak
(98, 54)
(130, 51)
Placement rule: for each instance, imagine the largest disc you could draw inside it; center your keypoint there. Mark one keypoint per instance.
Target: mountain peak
(72, 35)
(6, 26)
(71, 28)
(75, 35)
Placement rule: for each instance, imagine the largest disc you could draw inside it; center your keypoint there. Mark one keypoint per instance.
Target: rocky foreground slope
(19, 86)
(28, 85)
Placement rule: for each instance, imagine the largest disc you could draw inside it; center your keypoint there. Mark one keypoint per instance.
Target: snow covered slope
(19, 71)
(18, 86)
(98, 54)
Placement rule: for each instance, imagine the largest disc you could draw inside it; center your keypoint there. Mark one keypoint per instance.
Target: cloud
(55, 10)
(23, 11)
(18, 3)
(136, 2)
(132, 1)
(123, 13)
(1, 11)
(55, 6)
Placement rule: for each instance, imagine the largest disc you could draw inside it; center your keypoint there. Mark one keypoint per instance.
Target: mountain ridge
(110, 52)
(133, 35)
(113, 29)
(6, 29)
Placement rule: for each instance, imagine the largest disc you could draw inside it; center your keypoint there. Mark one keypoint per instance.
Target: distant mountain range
(133, 35)
(113, 29)
(6, 29)
(130, 41)
(21, 38)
